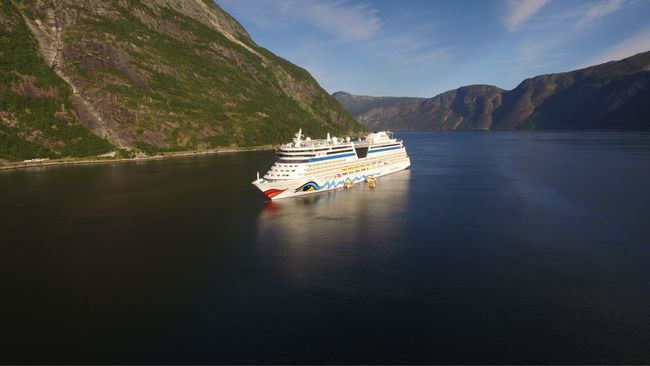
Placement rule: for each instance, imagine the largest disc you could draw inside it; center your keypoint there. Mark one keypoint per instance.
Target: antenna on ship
(297, 139)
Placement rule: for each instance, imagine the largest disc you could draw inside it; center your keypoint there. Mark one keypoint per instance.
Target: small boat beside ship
(306, 166)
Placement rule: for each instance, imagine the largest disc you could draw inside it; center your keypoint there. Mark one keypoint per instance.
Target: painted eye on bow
(310, 186)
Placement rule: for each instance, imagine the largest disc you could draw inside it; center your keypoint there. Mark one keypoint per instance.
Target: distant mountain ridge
(613, 95)
(144, 76)
(359, 104)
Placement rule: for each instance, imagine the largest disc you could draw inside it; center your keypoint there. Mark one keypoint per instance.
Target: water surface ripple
(496, 247)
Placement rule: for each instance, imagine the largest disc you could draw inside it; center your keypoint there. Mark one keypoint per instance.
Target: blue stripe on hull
(384, 149)
(331, 157)
(351, 154)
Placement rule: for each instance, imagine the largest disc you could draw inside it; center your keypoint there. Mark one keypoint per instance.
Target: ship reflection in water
(316, 232)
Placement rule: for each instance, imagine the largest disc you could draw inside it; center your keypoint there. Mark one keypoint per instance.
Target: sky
(421, 48)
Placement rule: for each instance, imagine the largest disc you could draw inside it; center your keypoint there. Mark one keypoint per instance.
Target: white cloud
(537, 54)
(629, 47)
(549, 35)
(347, 20)
(406, 51)
(519, 11)
(598, 11)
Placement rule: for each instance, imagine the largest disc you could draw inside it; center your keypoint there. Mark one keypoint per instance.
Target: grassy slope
(43, 124)
(204, 90)
(193, 88)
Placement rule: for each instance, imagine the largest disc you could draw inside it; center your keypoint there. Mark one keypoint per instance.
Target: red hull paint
(270, 193)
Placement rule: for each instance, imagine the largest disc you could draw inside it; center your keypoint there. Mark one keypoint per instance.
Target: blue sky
(425, 47)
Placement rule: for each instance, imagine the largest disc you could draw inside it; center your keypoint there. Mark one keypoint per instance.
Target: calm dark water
(504, 247)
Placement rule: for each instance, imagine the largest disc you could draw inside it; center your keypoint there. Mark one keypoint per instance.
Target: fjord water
(495, 247)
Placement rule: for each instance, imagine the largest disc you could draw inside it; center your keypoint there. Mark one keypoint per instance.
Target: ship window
(338, 152)
(293, 161)
(384, 146)
(296, 155)
(362, 152)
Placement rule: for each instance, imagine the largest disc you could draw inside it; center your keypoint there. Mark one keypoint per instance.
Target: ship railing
(319, 144)
(312, 144)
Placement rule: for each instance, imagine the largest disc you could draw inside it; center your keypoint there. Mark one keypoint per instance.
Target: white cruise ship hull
(301, 187)
(313, 166)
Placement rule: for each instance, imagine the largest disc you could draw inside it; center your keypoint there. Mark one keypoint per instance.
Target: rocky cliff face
(37, 113)
(611, 95)
(469, 107)
(153, 75)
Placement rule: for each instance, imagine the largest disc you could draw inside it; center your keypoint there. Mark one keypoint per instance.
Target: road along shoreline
(97, 160)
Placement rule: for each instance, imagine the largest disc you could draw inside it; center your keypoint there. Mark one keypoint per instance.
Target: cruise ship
(307, 166)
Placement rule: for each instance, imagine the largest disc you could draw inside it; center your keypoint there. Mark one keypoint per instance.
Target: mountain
(359, 104)
(469, 107)
(84, 78)
(614, 95)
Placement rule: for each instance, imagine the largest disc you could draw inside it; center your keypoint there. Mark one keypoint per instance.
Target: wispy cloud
(347, 20)
(409, 50)
(548, 35)
(354, 21)
(629, 47)
(598, 11)
(535, 54)
(519, 11)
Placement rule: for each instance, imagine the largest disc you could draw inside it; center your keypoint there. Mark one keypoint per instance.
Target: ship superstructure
(307, 166)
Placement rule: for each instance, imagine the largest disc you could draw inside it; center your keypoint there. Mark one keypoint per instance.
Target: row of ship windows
(383, 146)
(387, 162)
(329, 152)
(328, 169)
(337, 162)
(353, 172)
(338, 152)
(276, 170)
(312, 156)
(296, 156)
(282, 170)
(321, 149)
(284, 161)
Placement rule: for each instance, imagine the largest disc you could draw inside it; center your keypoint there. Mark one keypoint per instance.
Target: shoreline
(96, 160)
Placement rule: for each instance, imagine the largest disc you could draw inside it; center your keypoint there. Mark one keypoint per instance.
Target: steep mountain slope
(359, 104)
(612, 95)
(37, 117)
(160, 75)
